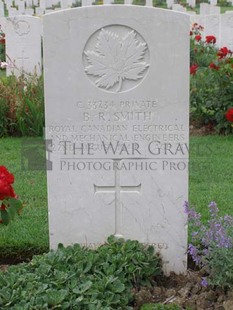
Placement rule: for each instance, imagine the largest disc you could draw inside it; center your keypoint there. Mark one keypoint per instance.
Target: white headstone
(48, 3)
(215, 10)
(213, 2)
(117, 115)
(29, 11)
(12, 11)
(23, 44)
(192, 3)
(29, 3)
(227, 30)
(39, 11)
(212, 27)
(128, 2)
(204, 9)
(1, 9)
(42, 4)
(64, 4)
(87, 2)
(178, 8)
(169, 3)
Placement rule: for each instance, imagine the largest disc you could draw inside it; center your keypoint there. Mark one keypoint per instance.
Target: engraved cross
(117, 189)
(23, 58)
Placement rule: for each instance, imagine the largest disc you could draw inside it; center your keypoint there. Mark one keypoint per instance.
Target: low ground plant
(2, 48)
(212, 246)
(80, 278)
(21, 106)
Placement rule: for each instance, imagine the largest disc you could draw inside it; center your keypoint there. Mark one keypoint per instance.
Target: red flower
(193, 69)
(213, 66)
(6, 190)
(2, 38)
(6, 175)
(3, 207)
(229, 115)
(6, 181)
(223, 52)
(210, 39)
(190, 33)
(198, 37)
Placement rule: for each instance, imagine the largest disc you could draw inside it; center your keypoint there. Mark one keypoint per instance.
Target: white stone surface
(169, 3)
(149, 3)
(23, 44)
(215, 10)
(204, 9)
(87, 2)
(212, 27)
(1, 9)
(42, 4)
(29, 11)
(64, 4)
(178, 8)
(192, 3)
(213, 2)
(29, 3)
(227, 30)
(12, 12)
(120, 80)
(39, 11)
(48, 3)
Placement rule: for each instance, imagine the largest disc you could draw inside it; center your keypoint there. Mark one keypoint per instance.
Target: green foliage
(224, 3)
(220, 267)
(211, 84)
(160, 307)
(4, 120)
(80, 278)
(12, 207)
(2, 46)
(212, 245)
(2, 52)
(77, 3)
(21, 106)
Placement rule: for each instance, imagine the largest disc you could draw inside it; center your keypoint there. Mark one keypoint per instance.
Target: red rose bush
(211, 82)
(9, 202)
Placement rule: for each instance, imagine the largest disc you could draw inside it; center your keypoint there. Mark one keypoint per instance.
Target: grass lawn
(210, 179)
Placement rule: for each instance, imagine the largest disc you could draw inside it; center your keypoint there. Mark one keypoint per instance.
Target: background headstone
(23, 44)
(212, 27)
(178, 8)
(204, 9)
(1, 9)
(122, 82)
(169, 3)
(215, 10)
(213, 2)
(227, 30)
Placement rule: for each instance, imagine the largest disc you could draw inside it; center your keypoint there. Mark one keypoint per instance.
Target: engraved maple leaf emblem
(116, 59)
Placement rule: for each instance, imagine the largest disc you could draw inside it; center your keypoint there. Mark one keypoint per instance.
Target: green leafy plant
(22, 105)
(2, 47)
(211, 88)
(212, 246)
(80, 278)
(10, 205)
